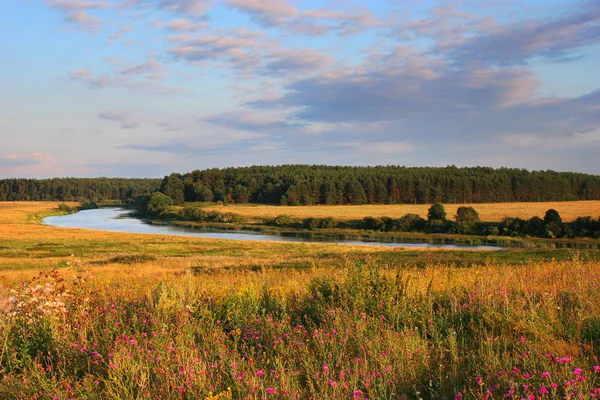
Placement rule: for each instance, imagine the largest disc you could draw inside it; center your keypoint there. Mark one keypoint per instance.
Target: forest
(75, 189)
(320, 184)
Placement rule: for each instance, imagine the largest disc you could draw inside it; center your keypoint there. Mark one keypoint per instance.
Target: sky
(143, 88)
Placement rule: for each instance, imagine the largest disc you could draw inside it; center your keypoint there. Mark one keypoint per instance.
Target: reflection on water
(120, 220)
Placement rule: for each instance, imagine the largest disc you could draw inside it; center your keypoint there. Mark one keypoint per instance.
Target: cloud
(120, 32)
(76, 12)
(290, 61)
(150, 66)
(253, 121)
(13, 161)
(268, 13)
(33, 164)
(517, 43)
(191, 8)
(126, 120)
(184, 25)
(316, 22)
(124, 80)
(467, 37)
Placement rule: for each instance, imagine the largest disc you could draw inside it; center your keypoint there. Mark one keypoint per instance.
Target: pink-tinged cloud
(120, 32)
(36, 164)
(291, 61)
(150, 66)
(182, 25)
(83, 20)
(267, 13)
(76, 12)
(127, 120)
(121, 81)
(195, 8)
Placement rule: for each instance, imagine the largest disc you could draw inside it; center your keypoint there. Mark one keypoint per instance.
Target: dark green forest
(320, 184)
(75, 189)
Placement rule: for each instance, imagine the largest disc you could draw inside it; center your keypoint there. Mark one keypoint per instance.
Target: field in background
(151, 316)
(488, 212)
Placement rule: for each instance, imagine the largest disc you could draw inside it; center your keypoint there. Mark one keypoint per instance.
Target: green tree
(436, 211)
(553, 223)
(173, 187)
(158, 203)
(466, 218)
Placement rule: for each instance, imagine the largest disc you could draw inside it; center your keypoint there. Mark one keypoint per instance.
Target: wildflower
(325, 367)
(357, 394)
(543, 390)
(596, 368)
(260, 372)
(553, 385)
(545, 374)
(270, 390)
(577, 371)
(332, 383)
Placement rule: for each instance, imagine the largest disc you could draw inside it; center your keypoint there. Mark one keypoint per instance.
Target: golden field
(165, 317)
(488, 212)
(26, 247)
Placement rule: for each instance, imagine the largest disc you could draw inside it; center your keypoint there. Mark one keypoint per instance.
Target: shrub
(193, 214)
(283, 220)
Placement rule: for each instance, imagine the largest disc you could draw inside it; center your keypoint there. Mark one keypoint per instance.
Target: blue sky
(142, 88)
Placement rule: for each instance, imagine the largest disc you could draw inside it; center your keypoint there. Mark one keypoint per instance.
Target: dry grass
(489, 212)
(14, 212)
(27, 248)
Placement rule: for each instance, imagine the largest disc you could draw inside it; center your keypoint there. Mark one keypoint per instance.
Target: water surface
(121, 220)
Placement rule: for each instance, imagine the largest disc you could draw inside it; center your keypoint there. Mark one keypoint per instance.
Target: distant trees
(76, 189)
(319, 184)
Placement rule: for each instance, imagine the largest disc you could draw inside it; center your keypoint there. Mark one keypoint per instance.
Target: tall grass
(363, 330)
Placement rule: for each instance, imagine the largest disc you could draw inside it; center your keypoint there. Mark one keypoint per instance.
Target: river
(121, 220)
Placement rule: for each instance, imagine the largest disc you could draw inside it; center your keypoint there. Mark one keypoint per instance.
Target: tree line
(76, 189)
(320, 184)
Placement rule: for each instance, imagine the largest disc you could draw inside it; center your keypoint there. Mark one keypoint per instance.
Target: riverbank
(257, 225)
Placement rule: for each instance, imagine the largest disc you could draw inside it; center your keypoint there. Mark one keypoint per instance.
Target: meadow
(105, 315)
(488, 212)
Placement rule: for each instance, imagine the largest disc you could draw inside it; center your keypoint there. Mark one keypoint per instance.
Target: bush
(88, 205)
(282, 220)
(411, 223)
(328, 223)
(193, 214)
(65, 208)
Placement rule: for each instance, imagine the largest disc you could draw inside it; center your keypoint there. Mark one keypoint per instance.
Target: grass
(150, 316)
(488, 212)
